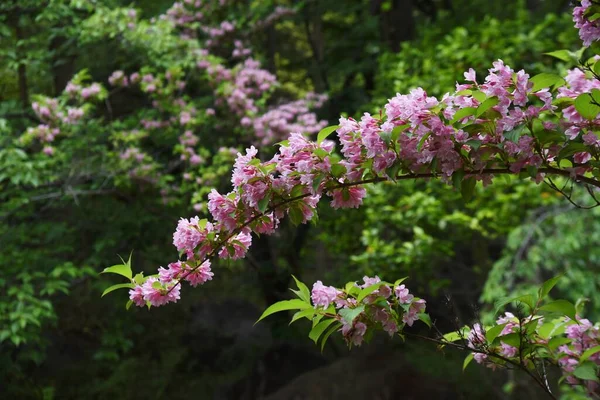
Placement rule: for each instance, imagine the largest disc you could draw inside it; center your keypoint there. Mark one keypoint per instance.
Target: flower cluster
(357, 310)
(480, 130)
(279, 13)
(586, 21)
(585, 337)
(62, 113)
(118, 78)
(477, 339)
(506, 123)
(278, 122)
(531, 341)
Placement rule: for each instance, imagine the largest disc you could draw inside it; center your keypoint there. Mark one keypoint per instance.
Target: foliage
(116, 119)
(519, 41)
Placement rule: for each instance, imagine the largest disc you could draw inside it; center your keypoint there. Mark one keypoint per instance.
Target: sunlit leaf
(295, 304)
(116, 287)
(325, 132)
(120, 269)
(318, 330)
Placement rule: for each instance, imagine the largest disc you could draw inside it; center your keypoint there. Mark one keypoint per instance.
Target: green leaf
(547, 136)
(297, 191)
(119, 286)
(349, 287)
(468, 360)
(588, 353)
(263, 204)
(564, 163)
(318, 330)
(548, 285)
(512, 339)
(527, 299)
(515, 134)
(308, 313)
(550, 329)
(128, 305)
(492, 333)
(596, 68)
(392, 171)
(338, 170)
(399, 281)
(397, 131)
(139, 278)
(545, 80)
(594, 17)
(486, 105)
(587, 371)
(368, 290)
(296, 216)
(467, 188)
(284, 305)
(475, 144)
(564, 55)
(571, 149)
(331, 329)
(425, 318)
(587, 106)
(479, 96)
(121, 269)
(456, 335)
(463, 113)
(422, 141)
(562, 307)
(558, 341)
(321, 153)
(325, 132)
(349, 314)
(304, 292)
(317, 182)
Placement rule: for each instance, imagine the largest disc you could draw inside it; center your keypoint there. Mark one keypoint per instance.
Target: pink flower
(582, 157)
(480, 358)
(200, 275)
(136, 295)
(158, 294)
(507, 350)
(403, 295)
(476, 337)
(188, 234)
(412, 315)
(173, 272)
(236, 247)
(48, 150)
(470, 75)
(370, 281)
(118, 78)
(223, 209)
(348, 197)
(322, 295)
(354, 333)
(589, 31)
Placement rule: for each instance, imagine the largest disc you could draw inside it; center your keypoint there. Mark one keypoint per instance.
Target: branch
(466, 348)
(410, 176)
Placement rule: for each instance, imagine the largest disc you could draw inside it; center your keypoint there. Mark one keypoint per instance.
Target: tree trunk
(22, 70)
(63, 66)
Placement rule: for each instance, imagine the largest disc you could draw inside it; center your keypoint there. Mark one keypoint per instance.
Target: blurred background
(117, 118)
